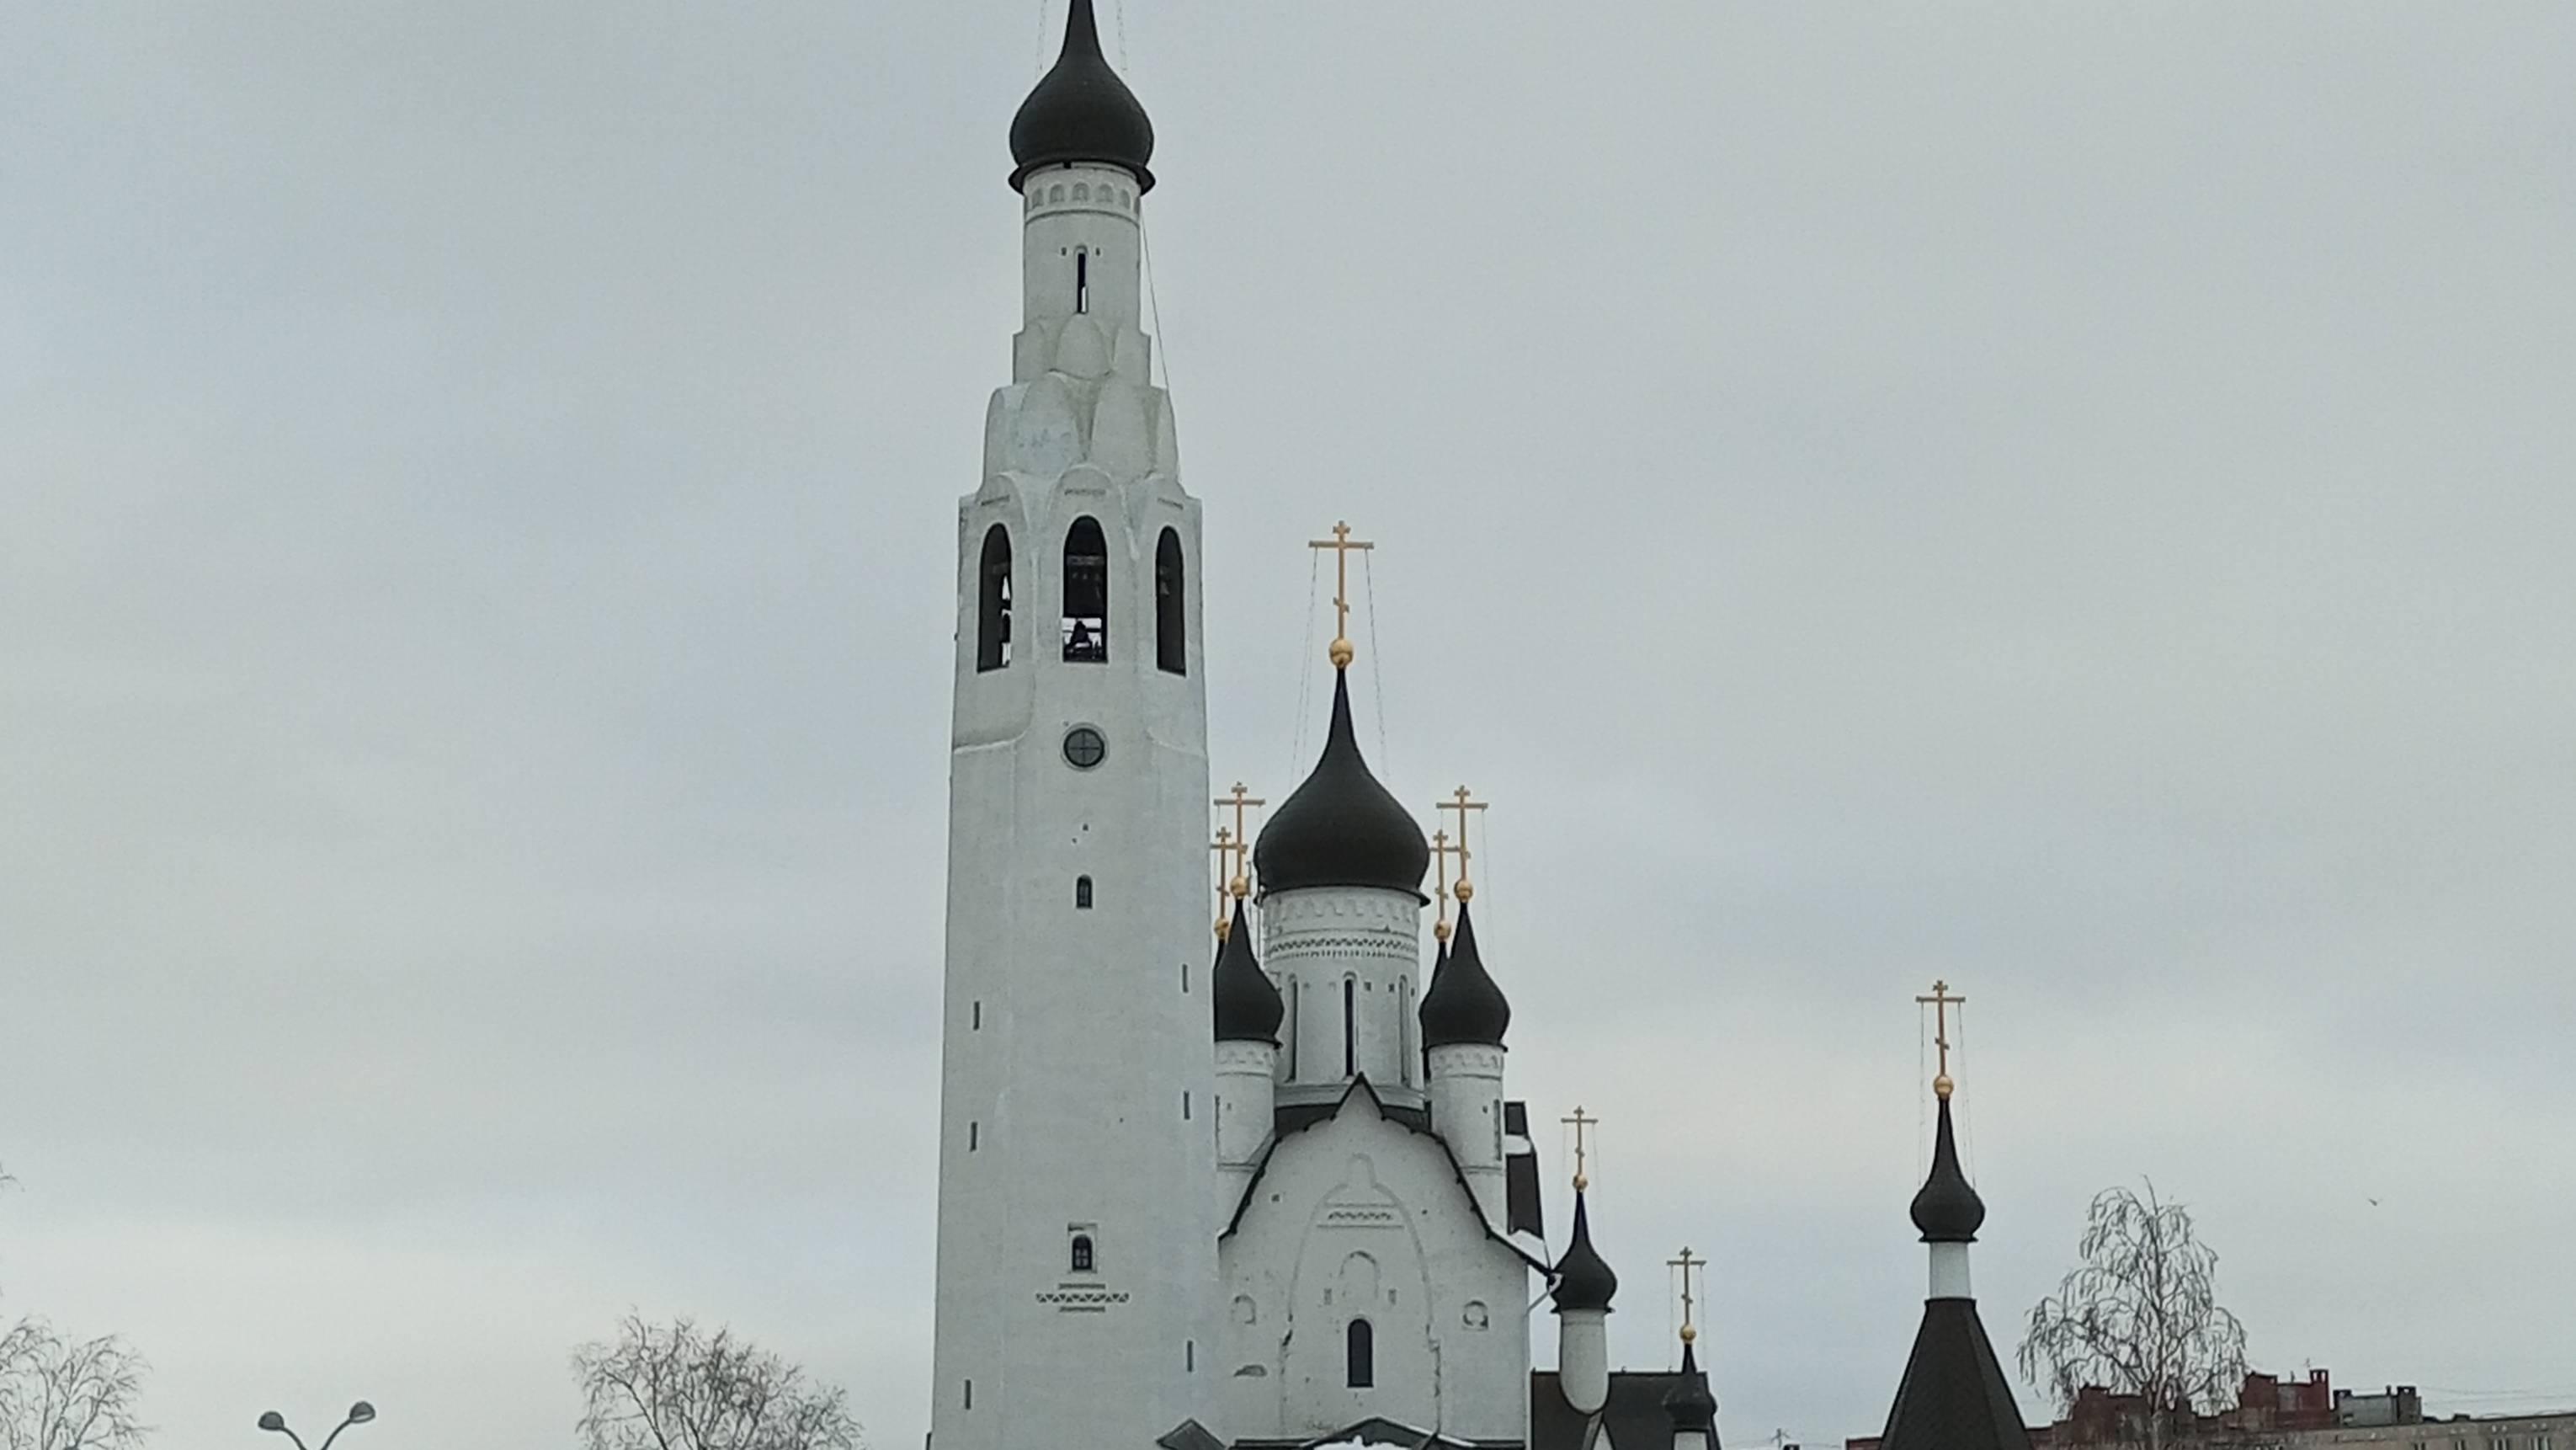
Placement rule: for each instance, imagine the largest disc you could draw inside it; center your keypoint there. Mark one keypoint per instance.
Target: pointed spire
(1247, 1004)
(1583, 1277)
(1954, 1395)
(1947, 1209)
(1340, 827)
(1081, 111)
(1463, 1005)
(1689, 1404)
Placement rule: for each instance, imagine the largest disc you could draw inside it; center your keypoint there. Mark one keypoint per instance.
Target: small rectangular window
(1185, 979)
(974, 1136)
(1190, 1355)
(975, 1023)
(970, 1394)
(1185, 1105)
(1082, 893)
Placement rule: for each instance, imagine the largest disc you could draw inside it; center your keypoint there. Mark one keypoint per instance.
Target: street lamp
(359, 1414)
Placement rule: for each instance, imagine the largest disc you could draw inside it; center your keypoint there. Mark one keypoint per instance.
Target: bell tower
(1077, 1268)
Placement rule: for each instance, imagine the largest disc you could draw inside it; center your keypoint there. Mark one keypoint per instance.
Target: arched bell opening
(1086, 593)
(993, 601)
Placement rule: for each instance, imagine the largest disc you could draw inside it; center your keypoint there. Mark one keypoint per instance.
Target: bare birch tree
(58, 1393)
(2141, 1317)
(676, 1387)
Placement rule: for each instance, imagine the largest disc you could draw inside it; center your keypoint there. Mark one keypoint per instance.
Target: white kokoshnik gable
(1077, 1269)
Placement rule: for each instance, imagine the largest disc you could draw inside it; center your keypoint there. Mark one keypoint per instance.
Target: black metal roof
(1583, 1277)
(1340, 827)
(1247, 1005)
(1689, 1405)
(1289, 1120)
(1082, 111)
(1462, 1004)
(1634, 1415)
(1946, 1208)
(1954, 1396)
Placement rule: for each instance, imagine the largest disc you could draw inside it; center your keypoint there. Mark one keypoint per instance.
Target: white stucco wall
(1313, 941)
(1360, 1216)
(1077, 1075)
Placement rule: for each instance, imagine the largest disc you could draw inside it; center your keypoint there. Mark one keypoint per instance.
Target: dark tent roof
(1954, 1396)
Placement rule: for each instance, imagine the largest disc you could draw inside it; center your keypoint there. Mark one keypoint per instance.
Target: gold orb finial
(1341, 653)
(1223, 926)
(1440, 931)
(1581, 1183)
(1689, 1333)
(1941, 1086)
(1241, 886)
(1463, 891)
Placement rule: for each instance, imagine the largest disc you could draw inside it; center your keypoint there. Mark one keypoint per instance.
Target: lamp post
(359, 1414)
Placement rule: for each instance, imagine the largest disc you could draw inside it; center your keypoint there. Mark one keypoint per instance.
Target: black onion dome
(1947, 1209)
(1341, 828)
(1462, 1005)
(1248, 1008)
(1082, 111)
(1583, 1279)
(1689, 1404)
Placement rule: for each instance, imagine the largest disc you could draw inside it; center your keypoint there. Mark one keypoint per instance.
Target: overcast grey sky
(2073, 499)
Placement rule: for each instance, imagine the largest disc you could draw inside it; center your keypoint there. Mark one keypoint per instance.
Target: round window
(1083, 747)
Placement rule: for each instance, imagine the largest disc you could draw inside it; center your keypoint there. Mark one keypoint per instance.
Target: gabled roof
(1634, 1416)
(1954, 1396)
(1359, 1088)
(1189, 1435)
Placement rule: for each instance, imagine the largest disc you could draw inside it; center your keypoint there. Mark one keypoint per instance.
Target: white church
(1279, 1200)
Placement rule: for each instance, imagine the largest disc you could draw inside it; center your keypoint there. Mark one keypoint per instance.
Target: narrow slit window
(1082, 893)
(1185, 1105)
(1293, 1028)
(993, 607)
(975, 1017)
(1082, 281)
(974, 1136)
(1362, 1344)
(970, 1394)
(1190, 1356)
(1171, 630)
(1350, 1027)
(1086, 593)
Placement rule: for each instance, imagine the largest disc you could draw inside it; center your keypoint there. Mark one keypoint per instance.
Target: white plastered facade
(1077, 1075)
(1358, 1216)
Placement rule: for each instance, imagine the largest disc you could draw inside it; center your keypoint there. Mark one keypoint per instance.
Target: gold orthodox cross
(1580, 1121)
(1240, 884)
(1226, 849)
(1686, 1263)
(1941, 1002)
(1341, 543)
(1459, 802)
(1441, 851)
